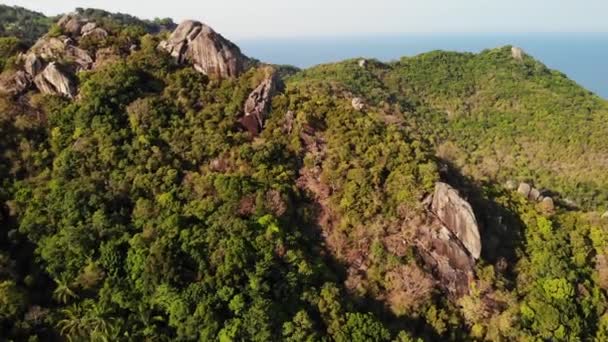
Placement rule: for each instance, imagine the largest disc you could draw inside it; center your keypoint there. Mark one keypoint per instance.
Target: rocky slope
(163, 186)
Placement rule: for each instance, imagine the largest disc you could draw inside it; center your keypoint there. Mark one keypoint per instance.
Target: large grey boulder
(209, 52)
(258, 103)
(53, 81)
(71, 24)
(457, 215)
(446, 256)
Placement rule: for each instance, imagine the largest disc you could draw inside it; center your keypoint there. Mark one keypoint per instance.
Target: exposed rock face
(362, 63)
(517, 53)
(48, 48)
(32, 64)
(88, 27)
(443, 252)
(53, 81)
(288, 123)
(457, 216)
(14, 83)
(71, 24)
(96, 33)
(258, 104)
(358, 103)
(209, 52)
(39, 63)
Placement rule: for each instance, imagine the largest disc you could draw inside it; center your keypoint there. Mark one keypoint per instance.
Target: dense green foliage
(22, 23)
(142, 210)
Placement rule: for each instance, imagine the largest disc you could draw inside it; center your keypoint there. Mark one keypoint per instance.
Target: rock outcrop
(40, 62)
(457, 216)
(445, 255)
(71, 24)
(32, 64)
(209, 52)
(15, 82)
(517, 53)
(53, 81)
(358, 103)
(258, 104)
(533, 194)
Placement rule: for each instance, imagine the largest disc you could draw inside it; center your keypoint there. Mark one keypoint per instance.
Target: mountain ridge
(160, 185)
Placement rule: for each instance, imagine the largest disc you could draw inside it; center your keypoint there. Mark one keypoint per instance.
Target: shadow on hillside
(501, 230)
(338, 269)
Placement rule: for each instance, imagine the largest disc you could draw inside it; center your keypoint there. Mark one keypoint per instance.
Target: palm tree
(88, 321)
(62, 292)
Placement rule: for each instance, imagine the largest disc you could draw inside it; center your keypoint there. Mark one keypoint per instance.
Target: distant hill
(22, 23)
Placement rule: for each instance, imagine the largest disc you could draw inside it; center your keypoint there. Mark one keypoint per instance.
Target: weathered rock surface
(358, 103)
(39, 63)
(524, 189)
(96, 33)
(209, 52)
(14, 83)
(534, 194)
(445, 255)
(32, 64)
(48, 48)
(517, 53)
(547, 204)
(88, 27)
(457, 216)
(258, 104)
(71, 24)
(53, 81)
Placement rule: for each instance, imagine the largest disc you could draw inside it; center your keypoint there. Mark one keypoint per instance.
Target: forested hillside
(156, 184)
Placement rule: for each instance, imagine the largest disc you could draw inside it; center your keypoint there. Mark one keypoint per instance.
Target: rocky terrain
(158, 184)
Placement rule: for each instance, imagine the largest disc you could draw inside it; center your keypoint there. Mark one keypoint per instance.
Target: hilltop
(158, 184)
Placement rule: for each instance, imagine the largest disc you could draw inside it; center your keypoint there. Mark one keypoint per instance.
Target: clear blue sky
(284, 18)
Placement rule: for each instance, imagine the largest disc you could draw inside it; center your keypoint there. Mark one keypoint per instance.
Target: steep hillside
(497, 116)
(22, 23)
(159, 186)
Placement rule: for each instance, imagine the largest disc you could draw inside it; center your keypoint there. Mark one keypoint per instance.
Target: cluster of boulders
(208, 51)
(449, 241)
(533, 194)
(50, 65)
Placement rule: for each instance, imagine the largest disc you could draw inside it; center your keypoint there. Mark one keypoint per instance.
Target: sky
(314, 18)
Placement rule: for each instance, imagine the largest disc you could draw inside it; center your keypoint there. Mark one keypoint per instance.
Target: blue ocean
(581, 56)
